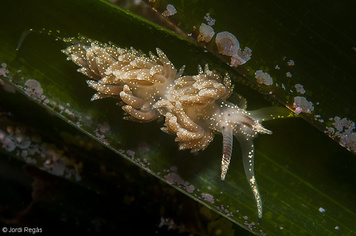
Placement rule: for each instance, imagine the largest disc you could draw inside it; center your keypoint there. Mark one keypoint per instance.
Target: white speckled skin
(194, 107)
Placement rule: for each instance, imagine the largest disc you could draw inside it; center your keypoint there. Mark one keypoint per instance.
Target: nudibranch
(194, 107)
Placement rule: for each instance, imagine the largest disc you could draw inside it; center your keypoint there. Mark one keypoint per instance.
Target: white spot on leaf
(208, 197)
(300, 89)
(206, 33)
(263, 77)
(209, 19)
(170, 11)
(301, 104)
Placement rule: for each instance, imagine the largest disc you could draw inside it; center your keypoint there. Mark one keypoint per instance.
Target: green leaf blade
(290, 187)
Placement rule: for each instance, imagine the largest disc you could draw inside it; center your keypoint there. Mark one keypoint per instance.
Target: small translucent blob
(290, 63)
(227, 43)
(170, 11)
(208, 197)
(300, 89)
(3, 70)
(22, 141)
(301, 104)
(343, 124)
(209, 20)
(174, 178)
(29, 148)
(241, 57)
(130, 153)
(289, 75)
(8, 88)
(33, 88)
(298, 110)
(263, 77)
(344, 130)
(206, 33)
(250, 225)
(137, 2)
(104, 127)
(169, 223)
(8, 144)
(189, 188)
(322, 210)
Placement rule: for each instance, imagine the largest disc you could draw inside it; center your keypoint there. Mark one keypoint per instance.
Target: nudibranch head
(194, 107)
(231, 120)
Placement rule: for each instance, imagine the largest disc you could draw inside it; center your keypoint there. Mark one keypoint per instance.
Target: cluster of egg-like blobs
(301, 104)
(172, 225)
(4, 73)
(170, 11)
(173, 178)
(143, 162)
(263, 77)
(33, 151)
(34, 90)
(209, 20)
(206, 33)
(100, 132)
(300, 88)
(343, 129)
(226, 43)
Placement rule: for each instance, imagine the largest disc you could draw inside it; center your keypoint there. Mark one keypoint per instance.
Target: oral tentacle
(227, 150)
(247, 149)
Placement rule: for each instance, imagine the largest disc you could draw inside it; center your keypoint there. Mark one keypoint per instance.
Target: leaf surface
(306, 180)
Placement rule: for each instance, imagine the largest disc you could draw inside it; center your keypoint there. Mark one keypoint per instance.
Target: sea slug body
(194, 108)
